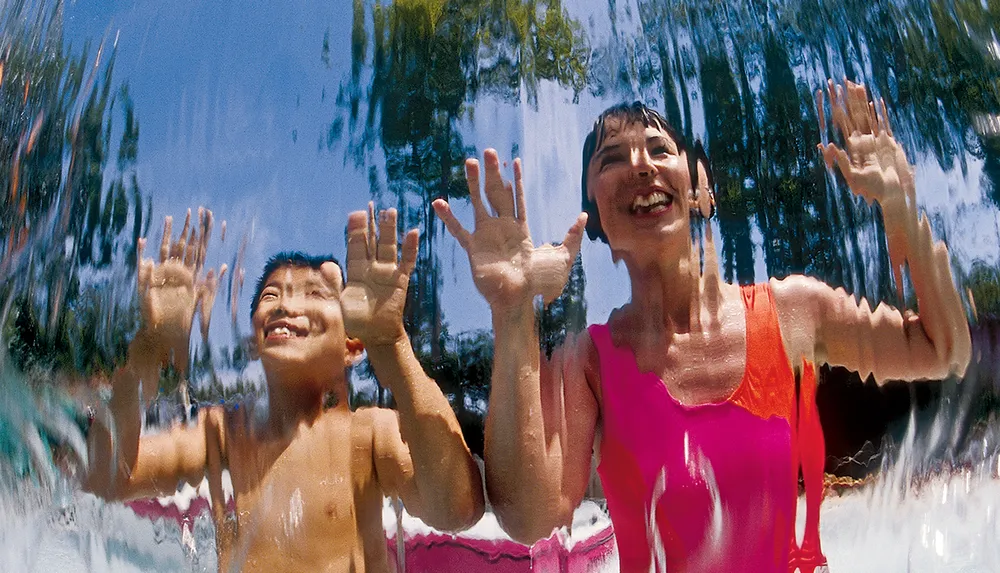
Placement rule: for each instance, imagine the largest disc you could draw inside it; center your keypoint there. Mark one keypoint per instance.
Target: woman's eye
(610, 159)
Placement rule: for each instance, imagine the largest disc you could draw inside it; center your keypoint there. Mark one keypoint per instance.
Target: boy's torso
(308, 501)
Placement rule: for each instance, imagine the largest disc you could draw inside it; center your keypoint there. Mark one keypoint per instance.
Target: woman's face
(640, 181)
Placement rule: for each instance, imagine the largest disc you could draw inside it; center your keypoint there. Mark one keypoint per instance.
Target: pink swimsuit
(710, 487)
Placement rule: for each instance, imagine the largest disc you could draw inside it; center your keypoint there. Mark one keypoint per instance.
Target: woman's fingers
(386, 250)
(522, 208)
(498, 192)
(456, 229)
(475, 194)
(410, 244)
(820, 113)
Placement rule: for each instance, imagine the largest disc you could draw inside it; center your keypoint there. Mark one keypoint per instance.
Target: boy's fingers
(193, 247)
(370, 231)
(475, 193)
(168, 223)
(331, 274)
(410, 244)
(179, 248)
(456, 229)
(357, 240)
(386, 250)
(206, 218)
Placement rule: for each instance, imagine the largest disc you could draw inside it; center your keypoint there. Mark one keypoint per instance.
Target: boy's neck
(289, 407)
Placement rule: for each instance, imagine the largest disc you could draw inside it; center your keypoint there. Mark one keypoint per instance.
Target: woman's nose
(642, 163)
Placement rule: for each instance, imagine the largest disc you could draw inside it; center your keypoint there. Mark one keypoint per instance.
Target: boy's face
(298, 324)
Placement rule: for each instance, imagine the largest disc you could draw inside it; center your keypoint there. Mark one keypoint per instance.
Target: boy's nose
(289, 305)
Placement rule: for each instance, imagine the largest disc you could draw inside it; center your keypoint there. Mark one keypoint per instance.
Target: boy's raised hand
(170, 292)
(377, 278)
(507, 268)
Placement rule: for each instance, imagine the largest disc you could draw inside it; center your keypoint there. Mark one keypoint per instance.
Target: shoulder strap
(769, 385)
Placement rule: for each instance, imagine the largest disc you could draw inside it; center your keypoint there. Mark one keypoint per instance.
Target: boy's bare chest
(300, 496)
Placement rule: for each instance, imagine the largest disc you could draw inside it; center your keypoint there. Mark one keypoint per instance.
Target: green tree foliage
(416, 67)
(984, 285)
(62, 225)
(567, 314)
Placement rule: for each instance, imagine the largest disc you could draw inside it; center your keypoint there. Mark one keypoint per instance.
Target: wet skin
(683, 324)
(308, 481)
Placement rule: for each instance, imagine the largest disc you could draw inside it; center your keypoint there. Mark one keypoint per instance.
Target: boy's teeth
(282, 330)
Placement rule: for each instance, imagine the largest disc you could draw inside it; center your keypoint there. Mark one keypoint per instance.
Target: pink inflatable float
(589, 546)
(442, 553)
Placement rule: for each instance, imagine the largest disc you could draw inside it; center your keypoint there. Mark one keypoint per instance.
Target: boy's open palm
(170, 292)
(377, 278)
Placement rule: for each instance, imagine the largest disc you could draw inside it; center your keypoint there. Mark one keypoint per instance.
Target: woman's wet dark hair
(291, 259)
(636, 112)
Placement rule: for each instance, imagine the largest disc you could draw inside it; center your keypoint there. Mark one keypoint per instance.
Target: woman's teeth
(653, 202)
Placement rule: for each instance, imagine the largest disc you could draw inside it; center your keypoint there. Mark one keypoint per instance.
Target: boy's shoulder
(376, 419)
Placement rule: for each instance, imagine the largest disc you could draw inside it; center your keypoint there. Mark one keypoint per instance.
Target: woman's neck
(665, 292)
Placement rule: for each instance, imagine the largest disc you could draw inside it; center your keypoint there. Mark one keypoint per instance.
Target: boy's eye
(268, 295)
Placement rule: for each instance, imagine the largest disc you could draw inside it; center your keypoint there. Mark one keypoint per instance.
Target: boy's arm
(421, 455)
(542, 413)
(123, 464)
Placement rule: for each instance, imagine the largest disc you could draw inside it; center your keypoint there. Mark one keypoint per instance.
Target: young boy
(308, 482)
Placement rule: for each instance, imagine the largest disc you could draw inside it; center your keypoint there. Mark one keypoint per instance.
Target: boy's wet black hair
(291, 259)
(635, 112)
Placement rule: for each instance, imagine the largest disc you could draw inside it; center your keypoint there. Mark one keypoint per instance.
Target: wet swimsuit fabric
(709, 487)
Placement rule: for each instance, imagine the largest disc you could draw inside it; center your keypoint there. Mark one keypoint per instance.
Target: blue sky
(230, 100)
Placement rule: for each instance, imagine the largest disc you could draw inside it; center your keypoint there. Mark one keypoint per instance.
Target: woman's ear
(704, 195)
(354, 350)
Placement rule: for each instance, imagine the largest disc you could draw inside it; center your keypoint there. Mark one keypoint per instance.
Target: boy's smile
(298, 324)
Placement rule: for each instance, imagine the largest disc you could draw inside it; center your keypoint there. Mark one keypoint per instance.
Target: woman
(690, 386)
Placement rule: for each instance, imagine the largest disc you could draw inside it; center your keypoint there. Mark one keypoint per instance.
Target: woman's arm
(883, 341)
(542, 413)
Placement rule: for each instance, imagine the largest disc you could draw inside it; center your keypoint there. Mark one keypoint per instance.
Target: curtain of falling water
(408, 90)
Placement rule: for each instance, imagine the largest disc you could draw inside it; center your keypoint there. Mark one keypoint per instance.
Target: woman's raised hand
(872, 162)
(507, 268)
